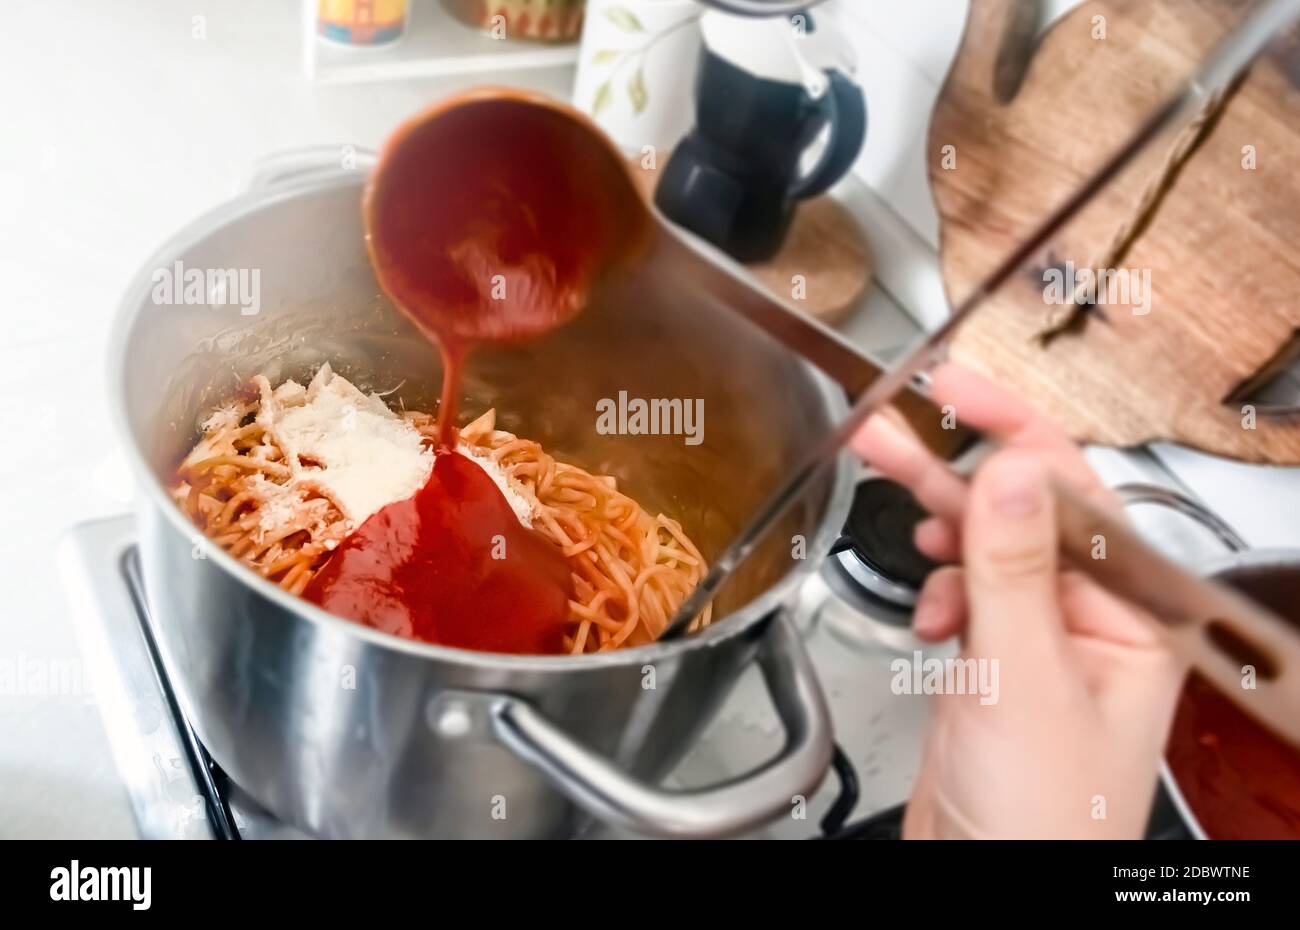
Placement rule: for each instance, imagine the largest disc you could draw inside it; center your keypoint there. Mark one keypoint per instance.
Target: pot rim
(249, 202)
(1249, 558)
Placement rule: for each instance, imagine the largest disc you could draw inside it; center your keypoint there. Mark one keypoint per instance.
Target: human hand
(1086, 689)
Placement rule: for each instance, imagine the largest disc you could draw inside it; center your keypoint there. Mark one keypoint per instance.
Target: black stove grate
(212, 781)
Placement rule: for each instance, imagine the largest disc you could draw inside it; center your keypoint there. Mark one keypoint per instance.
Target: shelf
(436, 44)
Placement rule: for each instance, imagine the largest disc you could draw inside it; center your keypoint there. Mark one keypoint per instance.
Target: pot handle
(305, 163)
(603, 790)
(1137, 493)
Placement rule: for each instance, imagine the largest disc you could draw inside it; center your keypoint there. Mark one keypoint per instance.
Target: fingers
(1091, 610)
(940, 611)
(1123, 660)
(981, 404)
(1088, 609)
(901, 457)
(897, 454)
(937, 540)
(1010, 548)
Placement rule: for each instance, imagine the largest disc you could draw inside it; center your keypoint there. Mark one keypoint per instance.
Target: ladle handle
(1250, 655)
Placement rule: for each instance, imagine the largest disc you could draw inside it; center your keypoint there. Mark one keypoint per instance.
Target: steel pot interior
(646, 333)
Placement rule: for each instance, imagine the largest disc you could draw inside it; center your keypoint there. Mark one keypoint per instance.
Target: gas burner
(874, 564)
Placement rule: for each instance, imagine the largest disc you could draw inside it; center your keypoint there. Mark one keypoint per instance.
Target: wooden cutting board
(1213, 256)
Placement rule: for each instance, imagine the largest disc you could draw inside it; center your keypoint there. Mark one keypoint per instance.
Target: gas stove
(854, 617)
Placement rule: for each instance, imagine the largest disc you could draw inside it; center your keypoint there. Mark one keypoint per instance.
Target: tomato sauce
(488, 220)
(1240, 780)
(452, 565)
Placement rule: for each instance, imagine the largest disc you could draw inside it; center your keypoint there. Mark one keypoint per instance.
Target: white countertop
(120, 127)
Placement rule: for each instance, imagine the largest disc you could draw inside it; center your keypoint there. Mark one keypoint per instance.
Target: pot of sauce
(347, 731)
(1229, 777)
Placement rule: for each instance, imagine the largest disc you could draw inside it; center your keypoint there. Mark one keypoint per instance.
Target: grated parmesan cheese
(350, 447)
(224, 418)
(346, 445)
(518, 503)
(279, 504)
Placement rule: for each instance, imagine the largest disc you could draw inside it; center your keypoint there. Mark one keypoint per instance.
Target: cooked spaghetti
(270, 507)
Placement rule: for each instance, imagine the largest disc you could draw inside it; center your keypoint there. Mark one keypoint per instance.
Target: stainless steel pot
(1243, 568)
(345, 731)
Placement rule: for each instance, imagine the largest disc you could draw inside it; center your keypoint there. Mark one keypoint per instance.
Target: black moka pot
(765, 92)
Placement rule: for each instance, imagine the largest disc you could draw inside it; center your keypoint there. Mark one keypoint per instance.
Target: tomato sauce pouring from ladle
(489, 219)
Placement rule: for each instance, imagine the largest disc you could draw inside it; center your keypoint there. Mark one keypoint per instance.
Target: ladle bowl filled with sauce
(351, 729)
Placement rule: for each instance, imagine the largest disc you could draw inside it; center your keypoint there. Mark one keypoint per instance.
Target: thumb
(1010, 553)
